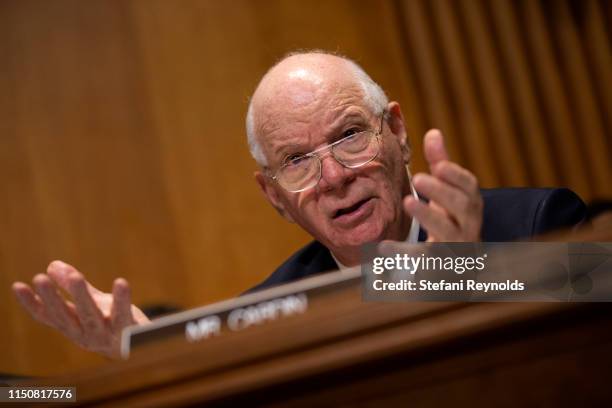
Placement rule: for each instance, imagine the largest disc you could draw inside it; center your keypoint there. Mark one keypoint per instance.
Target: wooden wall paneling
(591, 134)
(407, 89)
(530, 130)
(559, 120)
(177, 76)
(430, 75)
(468, 111)
(497, 113)
(606, 8)
(15, 183)
(599, 57)
(52, 123)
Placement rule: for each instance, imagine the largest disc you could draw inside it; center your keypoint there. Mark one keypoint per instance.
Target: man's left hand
(454, 210)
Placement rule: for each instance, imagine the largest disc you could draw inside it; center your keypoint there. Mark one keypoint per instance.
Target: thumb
(433, 147)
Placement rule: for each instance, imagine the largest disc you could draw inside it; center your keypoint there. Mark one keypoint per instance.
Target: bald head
(292, 89)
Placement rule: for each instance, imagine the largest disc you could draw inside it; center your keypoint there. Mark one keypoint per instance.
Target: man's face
(348, 207)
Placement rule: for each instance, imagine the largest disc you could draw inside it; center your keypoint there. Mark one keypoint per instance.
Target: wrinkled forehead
(301, 111)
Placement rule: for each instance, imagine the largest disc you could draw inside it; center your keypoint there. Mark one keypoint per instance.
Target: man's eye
(350, 132)
(293, 158)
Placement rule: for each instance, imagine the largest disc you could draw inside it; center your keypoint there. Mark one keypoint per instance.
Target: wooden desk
(345, 352)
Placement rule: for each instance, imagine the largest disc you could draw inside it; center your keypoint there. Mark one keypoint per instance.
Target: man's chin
(358, 236)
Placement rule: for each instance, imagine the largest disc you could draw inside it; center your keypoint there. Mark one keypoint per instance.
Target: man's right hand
(93, 319)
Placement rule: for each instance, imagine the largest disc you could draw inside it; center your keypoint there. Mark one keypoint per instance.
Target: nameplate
(236, 314)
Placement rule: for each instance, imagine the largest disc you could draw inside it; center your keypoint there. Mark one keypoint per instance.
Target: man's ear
(395, 121)
(271, 194)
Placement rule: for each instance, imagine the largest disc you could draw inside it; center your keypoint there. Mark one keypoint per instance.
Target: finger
(60, 272)
(435, 206)
(456, 176)
(433, 147)
(121, 310)
(451, 199)
(56, 308)
(31, 302)
(438, 226)
(88, 312)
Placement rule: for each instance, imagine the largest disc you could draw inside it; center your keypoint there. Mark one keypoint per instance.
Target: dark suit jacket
(509, 214)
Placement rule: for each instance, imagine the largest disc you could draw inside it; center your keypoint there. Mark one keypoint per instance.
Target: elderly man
(334, 159)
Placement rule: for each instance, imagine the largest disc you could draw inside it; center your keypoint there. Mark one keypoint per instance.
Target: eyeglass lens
(353, 151)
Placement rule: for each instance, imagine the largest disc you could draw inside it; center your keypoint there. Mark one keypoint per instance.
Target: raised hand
(454, 210)
(92, 319)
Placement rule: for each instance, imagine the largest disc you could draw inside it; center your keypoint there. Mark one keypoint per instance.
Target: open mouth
(353, 208)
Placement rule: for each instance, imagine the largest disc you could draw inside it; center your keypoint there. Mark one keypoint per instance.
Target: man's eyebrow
(282, 150)
(337, 125)
(343, 120)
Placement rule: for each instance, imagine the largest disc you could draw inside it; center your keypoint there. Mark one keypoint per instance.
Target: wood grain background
(122, 144)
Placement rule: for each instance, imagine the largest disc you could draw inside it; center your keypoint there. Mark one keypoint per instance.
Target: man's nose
(333, 174)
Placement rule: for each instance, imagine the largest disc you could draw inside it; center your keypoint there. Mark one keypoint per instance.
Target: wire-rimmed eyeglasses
(355, 150)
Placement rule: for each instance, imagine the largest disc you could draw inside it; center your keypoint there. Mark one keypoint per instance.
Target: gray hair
(374, 97)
